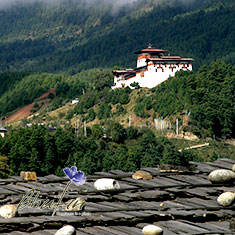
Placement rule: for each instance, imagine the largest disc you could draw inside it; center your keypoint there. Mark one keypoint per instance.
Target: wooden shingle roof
(180, 203)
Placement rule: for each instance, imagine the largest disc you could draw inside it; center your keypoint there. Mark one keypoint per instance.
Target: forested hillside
(19, 89)
(71, 46)
(208, 95)
(74, 35)
(38, 150)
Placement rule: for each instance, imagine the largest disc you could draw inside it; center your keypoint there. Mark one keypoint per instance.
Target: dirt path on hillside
(25, 111)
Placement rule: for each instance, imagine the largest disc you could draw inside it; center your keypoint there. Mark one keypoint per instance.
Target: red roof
(150, 50)
(123, 71)
(170, 58)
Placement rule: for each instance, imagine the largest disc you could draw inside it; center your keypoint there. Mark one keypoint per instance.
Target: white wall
(151, 77)
(141, 62)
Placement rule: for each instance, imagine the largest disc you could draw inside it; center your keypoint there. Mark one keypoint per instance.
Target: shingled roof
(178, 202)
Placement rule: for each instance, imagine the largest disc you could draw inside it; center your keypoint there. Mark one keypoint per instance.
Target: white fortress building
(153, 68)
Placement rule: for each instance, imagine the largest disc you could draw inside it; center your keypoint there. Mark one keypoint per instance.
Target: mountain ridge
(77, 39)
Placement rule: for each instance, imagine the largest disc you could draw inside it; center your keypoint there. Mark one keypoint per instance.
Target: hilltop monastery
(153, 67)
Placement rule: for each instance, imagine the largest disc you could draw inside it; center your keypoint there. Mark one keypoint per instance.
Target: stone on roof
(183, 202)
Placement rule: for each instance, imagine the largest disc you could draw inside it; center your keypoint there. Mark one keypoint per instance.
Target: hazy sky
(8, 3)
(4, 4)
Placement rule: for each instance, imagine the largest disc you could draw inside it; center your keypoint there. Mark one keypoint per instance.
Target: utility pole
(130, 120)
(188, 118)
(177, 126)
(77, 127)
(85, 128)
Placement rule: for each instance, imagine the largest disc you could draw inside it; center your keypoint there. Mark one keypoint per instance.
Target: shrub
(69, 114)
(104, 111)
(132, 133)
(135, 85)
(4, 167)
(91, 115)
(140, 110)
(51, 96)
(120, 110)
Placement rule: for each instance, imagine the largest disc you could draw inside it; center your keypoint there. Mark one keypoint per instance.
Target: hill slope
(71, 36)
(202, 99)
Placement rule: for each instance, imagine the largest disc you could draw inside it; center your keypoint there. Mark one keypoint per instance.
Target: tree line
(105, 147)
(207, 95)
(97, 38)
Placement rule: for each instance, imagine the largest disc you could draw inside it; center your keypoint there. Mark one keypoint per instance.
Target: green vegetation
(5, 170)
(216, 149)
(74, 39)
(71, 37)
(140, 107)
(9, 79)
(106, 147)
(103, 96)
(21, 89)
(207, 95)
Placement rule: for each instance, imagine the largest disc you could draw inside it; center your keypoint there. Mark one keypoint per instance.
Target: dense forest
(104, 148)
(26, 87)
(208, 95)
(71, 46)
(71, 36)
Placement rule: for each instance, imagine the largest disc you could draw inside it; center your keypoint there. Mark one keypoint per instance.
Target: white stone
(106, 184)
(152, 230)
(8, 211)
(221, 175)
(66, 230)
(226, 199)
(233, 168)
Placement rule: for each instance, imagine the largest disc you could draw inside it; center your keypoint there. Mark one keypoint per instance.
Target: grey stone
(76, 205)
(221, 175)
(226, 199)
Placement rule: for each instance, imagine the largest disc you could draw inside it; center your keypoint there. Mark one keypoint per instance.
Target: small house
(3, 131)
(75, 101)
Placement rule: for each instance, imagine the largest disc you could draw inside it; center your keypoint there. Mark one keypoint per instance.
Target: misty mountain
(72, 35)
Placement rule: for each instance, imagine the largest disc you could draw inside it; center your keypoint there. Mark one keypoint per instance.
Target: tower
(153, 68)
